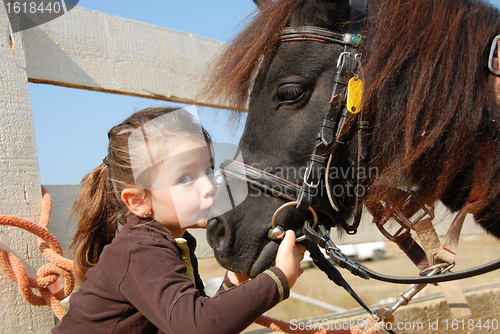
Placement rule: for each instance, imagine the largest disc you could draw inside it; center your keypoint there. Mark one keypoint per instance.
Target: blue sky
(71, 125)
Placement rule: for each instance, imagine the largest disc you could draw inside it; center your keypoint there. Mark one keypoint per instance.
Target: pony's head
(429, 115)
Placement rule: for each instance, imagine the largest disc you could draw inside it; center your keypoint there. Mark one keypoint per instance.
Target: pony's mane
(233, 72)
(427, 99)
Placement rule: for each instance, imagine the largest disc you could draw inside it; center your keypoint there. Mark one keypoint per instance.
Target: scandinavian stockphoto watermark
(232, 191)
(340, 325)
(424, 326)
(160, 160)
(26, 14)
(342, 180)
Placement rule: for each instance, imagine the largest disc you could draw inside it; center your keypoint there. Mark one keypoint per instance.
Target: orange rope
(370, 326)
(60, 266)
(48, 273)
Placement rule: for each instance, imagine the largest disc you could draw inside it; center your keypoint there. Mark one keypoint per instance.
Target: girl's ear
(136, 202)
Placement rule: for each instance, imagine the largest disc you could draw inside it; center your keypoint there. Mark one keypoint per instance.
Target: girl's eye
(185, 179)
(210, 170)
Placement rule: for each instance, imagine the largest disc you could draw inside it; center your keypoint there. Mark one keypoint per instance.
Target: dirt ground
(473, 250)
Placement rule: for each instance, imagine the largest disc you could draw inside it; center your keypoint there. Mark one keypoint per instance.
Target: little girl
(156, 181)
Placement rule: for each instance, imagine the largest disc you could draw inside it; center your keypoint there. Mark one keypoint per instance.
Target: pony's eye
(290, 93)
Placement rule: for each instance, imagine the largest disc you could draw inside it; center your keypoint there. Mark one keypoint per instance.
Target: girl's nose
(207, 186)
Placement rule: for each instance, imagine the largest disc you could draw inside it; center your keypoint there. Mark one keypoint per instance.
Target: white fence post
(20, 193)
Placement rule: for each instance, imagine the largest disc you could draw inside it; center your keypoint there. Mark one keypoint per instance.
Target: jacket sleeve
(156, 284)
(226, 284)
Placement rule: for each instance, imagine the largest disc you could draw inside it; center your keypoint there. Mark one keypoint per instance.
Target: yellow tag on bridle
(354, 95)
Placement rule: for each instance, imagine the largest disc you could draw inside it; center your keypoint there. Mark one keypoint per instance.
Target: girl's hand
(236, 278)
(289, 256)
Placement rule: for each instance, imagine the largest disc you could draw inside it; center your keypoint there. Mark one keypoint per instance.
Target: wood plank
(95, 51)
(20, 184)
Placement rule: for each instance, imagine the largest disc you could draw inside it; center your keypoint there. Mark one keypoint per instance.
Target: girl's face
(183, 192)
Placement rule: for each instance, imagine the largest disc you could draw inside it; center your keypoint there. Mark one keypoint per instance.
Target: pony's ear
(259, 2)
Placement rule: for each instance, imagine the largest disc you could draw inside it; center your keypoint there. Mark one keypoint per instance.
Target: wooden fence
(87, 50)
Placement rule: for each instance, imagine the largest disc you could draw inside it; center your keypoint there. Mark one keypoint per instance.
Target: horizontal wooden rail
(95, 51)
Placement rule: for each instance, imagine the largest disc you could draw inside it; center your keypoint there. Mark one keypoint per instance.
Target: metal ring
(494, 46)
(286, 205)
(430, 271)
(341, 56)
(216, 176)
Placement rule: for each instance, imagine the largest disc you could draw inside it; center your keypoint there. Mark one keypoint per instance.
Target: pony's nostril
(215, 233)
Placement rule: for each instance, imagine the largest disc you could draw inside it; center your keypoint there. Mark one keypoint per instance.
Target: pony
(430, 117)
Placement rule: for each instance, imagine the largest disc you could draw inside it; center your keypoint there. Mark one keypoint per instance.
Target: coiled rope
(60, 266)
(370, 326)
(48, 273)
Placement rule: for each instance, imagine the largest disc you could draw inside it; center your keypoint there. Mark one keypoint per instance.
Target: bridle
(327, 145)
(328, 142)
(326, 151)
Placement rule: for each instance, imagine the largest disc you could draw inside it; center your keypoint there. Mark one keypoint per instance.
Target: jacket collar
(152, 225)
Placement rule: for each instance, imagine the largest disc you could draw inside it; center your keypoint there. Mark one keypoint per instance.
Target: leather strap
(261, 179)
(444, 252)
(336, 114)
(317, 34)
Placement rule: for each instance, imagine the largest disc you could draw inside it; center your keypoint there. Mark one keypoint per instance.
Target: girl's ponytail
(98, 213)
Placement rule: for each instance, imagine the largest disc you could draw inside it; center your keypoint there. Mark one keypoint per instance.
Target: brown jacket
(140, 286)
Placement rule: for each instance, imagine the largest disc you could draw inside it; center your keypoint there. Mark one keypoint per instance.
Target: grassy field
(473, 250)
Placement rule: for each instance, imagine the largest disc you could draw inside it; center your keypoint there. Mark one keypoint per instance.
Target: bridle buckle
(310, 184)
(493, 54)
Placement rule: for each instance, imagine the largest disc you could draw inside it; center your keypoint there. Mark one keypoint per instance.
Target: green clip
(357, 39)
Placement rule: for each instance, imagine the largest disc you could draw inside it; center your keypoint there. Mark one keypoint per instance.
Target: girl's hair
(99, 207)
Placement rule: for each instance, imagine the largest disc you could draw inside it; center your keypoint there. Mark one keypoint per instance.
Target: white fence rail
(95, 51)
(63, 227)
